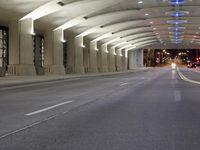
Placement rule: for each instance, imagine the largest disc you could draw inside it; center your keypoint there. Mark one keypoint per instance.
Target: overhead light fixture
(61, 4)
(176, 22)
(177, 2)
(146, 14)
(176, 33)
(176, 28)
(140, 2)
(177, 13)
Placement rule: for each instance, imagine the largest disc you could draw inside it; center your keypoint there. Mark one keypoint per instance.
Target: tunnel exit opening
(163, 57)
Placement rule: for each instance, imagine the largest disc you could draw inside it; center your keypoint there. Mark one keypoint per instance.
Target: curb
(7, 85)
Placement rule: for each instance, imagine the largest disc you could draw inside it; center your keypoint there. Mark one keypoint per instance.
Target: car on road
(192, 65)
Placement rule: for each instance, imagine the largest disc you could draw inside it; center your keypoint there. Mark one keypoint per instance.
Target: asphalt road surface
(149, 110)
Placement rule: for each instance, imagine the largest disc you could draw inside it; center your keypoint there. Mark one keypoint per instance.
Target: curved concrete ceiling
(138, 22)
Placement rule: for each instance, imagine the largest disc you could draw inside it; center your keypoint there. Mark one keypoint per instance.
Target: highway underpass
(81, 75)
(150, 109)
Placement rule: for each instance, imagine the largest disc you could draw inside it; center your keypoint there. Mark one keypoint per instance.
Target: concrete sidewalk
(19, 80)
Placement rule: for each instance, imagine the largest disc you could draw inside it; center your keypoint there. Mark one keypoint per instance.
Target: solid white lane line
(123, 84)
(48, 108)
(177, 96)
(185, 78)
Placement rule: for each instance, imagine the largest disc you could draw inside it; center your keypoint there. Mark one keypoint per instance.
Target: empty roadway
(149, 110)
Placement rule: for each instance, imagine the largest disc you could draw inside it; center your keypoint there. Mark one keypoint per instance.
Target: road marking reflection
(48, 108)
(123, 84)
(177, 96)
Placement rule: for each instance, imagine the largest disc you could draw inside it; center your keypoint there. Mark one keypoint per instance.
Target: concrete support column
(133, 60)
(140, 58)
(103, 58)
(70, 52)
(21, 48)
(112, 55)
(48, 51)
(86, 50)
(119, 60)
(79, 67)
(54, 52)
(136, 59)
(93, 57)
(124, 60)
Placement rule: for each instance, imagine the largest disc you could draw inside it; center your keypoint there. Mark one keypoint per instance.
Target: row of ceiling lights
(151, 22)
(176, 25)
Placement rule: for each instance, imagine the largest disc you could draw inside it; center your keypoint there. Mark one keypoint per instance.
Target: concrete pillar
(132, 59)
(99, 57)
(86, 50)
(112, 55)
(48, 51)
(79, 67)
(103, 58)
(70, 52)
(140, 58)
(93, 57)
(119, 60)
(53, 51)
(21, 48)
(124, 60)
(136, 59)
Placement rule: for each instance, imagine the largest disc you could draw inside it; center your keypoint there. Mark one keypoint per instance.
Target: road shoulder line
(186, 79)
